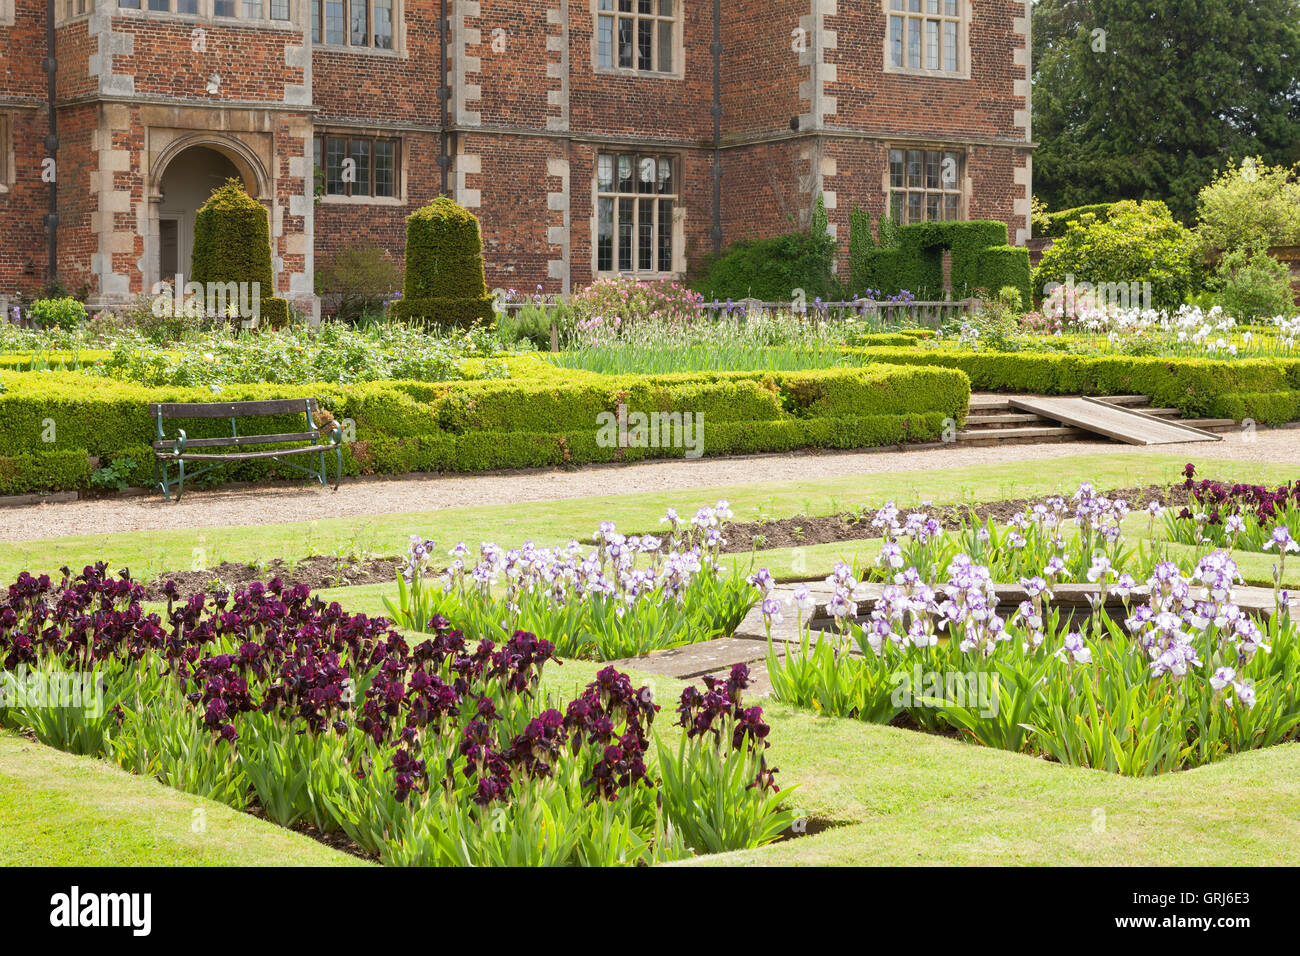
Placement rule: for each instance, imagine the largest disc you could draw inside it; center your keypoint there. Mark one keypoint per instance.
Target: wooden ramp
(1112, 421)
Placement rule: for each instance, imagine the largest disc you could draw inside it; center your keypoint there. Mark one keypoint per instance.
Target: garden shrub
(232, 243)
(772, 269)
(1138, 242)
(445, 284)
(1249, 205)
(363, 277)
(911, 258)
(620, 299)
(542, 421)
(1055, 224)
(1251, 284)
(62, 313)
(531, 324)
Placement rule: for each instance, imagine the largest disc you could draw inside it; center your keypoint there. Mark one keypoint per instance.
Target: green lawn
(893, 797)
(901, 798)
(61, 810)
(150, 553)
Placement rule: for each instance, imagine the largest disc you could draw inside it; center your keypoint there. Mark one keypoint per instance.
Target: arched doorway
(185, 173)
(186, 185)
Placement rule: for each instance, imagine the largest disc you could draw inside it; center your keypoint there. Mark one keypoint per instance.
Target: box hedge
(52, 422)
(1259, 389)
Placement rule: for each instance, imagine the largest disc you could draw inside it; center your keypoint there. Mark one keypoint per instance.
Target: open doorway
(186, 185)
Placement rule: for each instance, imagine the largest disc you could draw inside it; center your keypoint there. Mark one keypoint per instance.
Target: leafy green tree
(1250, 205)
(1251, 284)
(1145, 99)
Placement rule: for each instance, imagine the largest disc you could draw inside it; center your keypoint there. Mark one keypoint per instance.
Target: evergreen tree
(1145, 99)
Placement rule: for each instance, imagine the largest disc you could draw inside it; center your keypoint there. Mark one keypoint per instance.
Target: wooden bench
(182, 449)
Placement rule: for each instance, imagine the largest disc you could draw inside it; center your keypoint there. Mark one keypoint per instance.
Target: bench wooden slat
(249, 455)
(279, 406)
(240, 440)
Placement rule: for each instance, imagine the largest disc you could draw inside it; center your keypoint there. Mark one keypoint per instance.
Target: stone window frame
(399, 167)
(315, 7)
(7, 12)
(923, 13)
(68, 10)
(676, 159)
(963, 190)
(205, 12)
(678, 45)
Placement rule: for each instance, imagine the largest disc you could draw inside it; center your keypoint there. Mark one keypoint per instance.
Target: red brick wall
(250, 62)
(22, 99)
(770, 174)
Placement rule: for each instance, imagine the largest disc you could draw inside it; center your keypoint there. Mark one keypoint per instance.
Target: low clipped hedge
(1266, 390)
(531, 421)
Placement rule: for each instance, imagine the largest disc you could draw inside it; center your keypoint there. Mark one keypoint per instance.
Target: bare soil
(317, 572)
(802, 530)
(327, 571)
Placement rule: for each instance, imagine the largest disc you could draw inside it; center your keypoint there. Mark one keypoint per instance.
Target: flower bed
(629, 596)
(430, 753)
(1182, 678)
(1248, 517)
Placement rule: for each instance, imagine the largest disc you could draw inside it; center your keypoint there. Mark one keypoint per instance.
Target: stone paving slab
(696, 660)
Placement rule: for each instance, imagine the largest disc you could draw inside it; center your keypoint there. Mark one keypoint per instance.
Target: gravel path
(364, 498)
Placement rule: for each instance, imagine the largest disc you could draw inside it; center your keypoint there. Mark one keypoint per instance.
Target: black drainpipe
(444, 93)
(716, 48)
(52, 145)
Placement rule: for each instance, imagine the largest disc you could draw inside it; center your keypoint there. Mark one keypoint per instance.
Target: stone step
(1211, 424)
(1002, 418)
(984, 402)
(696, 660)
(1127, 400)
(1025, 433)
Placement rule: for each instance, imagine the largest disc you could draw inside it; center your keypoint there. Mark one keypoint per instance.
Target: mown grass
(151, 553)
(887, 797)
(61, 810)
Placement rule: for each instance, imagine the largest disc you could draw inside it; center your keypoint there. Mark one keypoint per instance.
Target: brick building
(582, 132)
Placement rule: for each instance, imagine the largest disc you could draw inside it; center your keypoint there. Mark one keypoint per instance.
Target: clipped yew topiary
(911, 257)
(232, 243)
(445, 284)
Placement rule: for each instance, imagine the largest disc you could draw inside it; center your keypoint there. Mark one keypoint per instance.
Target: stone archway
(183, 176)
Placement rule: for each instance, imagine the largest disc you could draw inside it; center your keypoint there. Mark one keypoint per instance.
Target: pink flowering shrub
(604, 308)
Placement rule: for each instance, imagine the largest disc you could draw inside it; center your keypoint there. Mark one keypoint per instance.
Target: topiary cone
(445, 282)
(232, 243)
